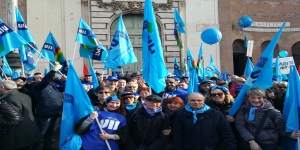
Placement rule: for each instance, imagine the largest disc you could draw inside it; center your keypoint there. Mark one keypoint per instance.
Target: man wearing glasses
(280, 96)
(171, 90)
(132, 87)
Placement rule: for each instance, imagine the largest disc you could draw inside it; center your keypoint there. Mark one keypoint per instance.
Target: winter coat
(147, 130)
(48, 98)
(270, 129)
(8, 115)
(208, 133)
(24, 134)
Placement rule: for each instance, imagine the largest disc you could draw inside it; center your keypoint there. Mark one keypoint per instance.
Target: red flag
(85, 70)
(299, 69)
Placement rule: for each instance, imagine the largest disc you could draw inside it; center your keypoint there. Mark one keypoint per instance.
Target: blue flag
(261, 75)
(179, 22)
(45, 71)
(212, 68)
(249, 67)
(245, 41)
(96, 53)
(193, 83)
(76, 106)
(48, 49)
(277, 74)
(24, 33)
(86, 36)
(176, 69)
(291, 107)
(154, 67)
(94, 77)
(5, 67)
(29, 62)
(120, 52)
(9, 40)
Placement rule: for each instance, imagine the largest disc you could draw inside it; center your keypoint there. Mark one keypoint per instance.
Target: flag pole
(74, 51)
(107, 144)
(3, 73)
(45, 58)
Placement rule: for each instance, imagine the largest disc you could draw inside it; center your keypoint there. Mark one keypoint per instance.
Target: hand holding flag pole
(107, 144)
(44, 58)
(3, 73)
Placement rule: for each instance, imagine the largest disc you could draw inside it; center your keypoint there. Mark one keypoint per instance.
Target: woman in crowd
(130, 101)
(143, 92)
(97, 98)
(259, 123)
(174, 105)
(111, 118)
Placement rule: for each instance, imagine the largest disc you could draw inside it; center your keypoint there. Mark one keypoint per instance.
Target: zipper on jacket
(145, 132)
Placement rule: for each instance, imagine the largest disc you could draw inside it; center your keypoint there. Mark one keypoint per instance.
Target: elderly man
(26, 133)
(48, 106)
(200, 127)
(280, 95)
(132, 87)
(149, 127)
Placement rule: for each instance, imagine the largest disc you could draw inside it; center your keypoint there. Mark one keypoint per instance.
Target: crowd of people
(133, 117)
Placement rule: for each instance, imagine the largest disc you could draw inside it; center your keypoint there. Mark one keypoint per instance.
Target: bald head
(195, 100)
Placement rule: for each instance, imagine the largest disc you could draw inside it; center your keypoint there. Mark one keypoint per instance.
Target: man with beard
(172, 91)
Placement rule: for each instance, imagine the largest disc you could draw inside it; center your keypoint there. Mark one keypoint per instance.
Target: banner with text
(285, 64)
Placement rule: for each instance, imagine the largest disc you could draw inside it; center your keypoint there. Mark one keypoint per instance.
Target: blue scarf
(130, 107)
(252, 113)
(150, 111)
(199, 111)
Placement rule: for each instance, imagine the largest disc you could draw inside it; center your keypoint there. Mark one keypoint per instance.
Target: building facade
(62, 18)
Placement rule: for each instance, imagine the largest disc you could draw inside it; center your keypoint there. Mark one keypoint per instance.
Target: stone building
(62, 17)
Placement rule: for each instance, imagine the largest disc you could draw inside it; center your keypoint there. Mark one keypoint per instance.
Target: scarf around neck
(130, 107)
(152, 112)
(199, 111)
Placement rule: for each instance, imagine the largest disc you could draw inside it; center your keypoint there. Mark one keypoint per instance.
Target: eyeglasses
(169, 82)
(282, 87)
(216, 94)
(131, 87)
(103, 92)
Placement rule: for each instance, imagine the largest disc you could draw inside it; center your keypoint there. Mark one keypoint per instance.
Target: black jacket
(48, 98)
(208, 133)
(147, 130)
(24, 134)
(8, 115)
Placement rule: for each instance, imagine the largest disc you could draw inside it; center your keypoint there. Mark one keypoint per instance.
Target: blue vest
(110, 122)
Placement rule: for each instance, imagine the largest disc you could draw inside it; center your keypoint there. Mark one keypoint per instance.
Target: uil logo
(110, 123)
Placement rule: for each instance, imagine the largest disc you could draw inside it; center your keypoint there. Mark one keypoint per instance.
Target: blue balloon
(283, 53)
(211, 36)
(245, 21)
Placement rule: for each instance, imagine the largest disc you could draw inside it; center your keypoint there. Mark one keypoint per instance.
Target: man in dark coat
(48, 106)
(24, 134)
(198, 127)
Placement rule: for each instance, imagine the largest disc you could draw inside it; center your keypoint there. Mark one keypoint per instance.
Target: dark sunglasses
(215, 94)
(103, 92)
(125, 98)
(282, 87)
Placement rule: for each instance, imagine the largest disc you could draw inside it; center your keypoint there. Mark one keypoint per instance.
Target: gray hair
(256, 92)
(8, 84)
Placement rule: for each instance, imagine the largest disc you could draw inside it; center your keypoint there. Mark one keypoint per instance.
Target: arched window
(239, 57)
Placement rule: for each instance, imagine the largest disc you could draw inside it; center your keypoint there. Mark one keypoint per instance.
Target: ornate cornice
(134, 7)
